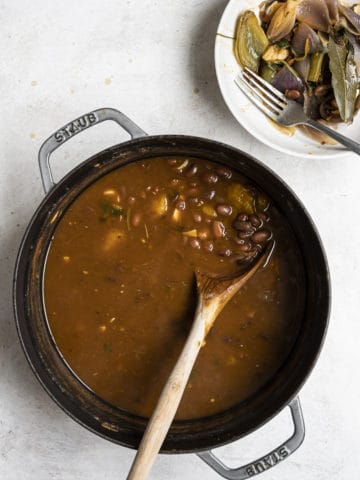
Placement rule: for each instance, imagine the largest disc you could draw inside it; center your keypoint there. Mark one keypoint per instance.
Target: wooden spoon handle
(170, 398)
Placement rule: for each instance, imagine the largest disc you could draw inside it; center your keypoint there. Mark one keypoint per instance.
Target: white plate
(247, 114)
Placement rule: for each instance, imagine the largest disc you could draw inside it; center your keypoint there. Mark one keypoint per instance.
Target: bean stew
(119, 284)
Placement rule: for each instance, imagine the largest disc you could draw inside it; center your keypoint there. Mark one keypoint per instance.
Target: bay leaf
(344, 78)
(356, 47)
(351, 78)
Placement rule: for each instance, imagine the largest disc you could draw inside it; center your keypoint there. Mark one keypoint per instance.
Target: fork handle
(347, 142)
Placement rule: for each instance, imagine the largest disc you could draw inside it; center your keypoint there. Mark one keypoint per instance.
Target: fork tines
(266, 97)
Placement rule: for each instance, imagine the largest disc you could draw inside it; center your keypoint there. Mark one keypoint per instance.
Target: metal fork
(281, 109)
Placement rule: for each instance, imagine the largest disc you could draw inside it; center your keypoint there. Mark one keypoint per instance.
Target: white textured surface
(148, 59)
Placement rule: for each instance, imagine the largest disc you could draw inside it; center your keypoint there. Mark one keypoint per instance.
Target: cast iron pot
(82, 404)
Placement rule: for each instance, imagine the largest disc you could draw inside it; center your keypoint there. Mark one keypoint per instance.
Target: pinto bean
(224, 210)
(194, 243)
(173, 196)
(209, 195)
(322, 90)
(292, 94)
(210, 178)
(218, 229)
(226, 252)
(243, 217)
(131, 200)
(263, 216)
(197, 217)
(224, 172)
(192, 192)
(136, 219)
(192, 170)
(255, 220)
(238, 240)
(172, 161)
(261, 236)
(180, 205)
(243, 226)
(246, 246)
(208, 246)
(244, 235)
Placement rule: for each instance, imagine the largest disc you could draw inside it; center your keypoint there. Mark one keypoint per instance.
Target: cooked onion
(315, 13)
(351, 17)
(283, 21)
(302, 34)
(302, 68)
(286, 80)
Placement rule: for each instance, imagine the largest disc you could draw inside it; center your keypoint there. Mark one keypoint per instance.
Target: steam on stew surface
(119, 284)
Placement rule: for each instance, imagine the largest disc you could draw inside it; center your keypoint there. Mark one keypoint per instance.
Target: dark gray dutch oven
(73, 396)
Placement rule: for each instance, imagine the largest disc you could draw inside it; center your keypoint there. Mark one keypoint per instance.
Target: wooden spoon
(213, 294)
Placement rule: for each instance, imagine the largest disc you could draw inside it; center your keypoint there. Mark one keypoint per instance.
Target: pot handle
(267, 461)
(73, 128)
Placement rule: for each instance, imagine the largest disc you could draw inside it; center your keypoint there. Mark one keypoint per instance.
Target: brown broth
(119, 286)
